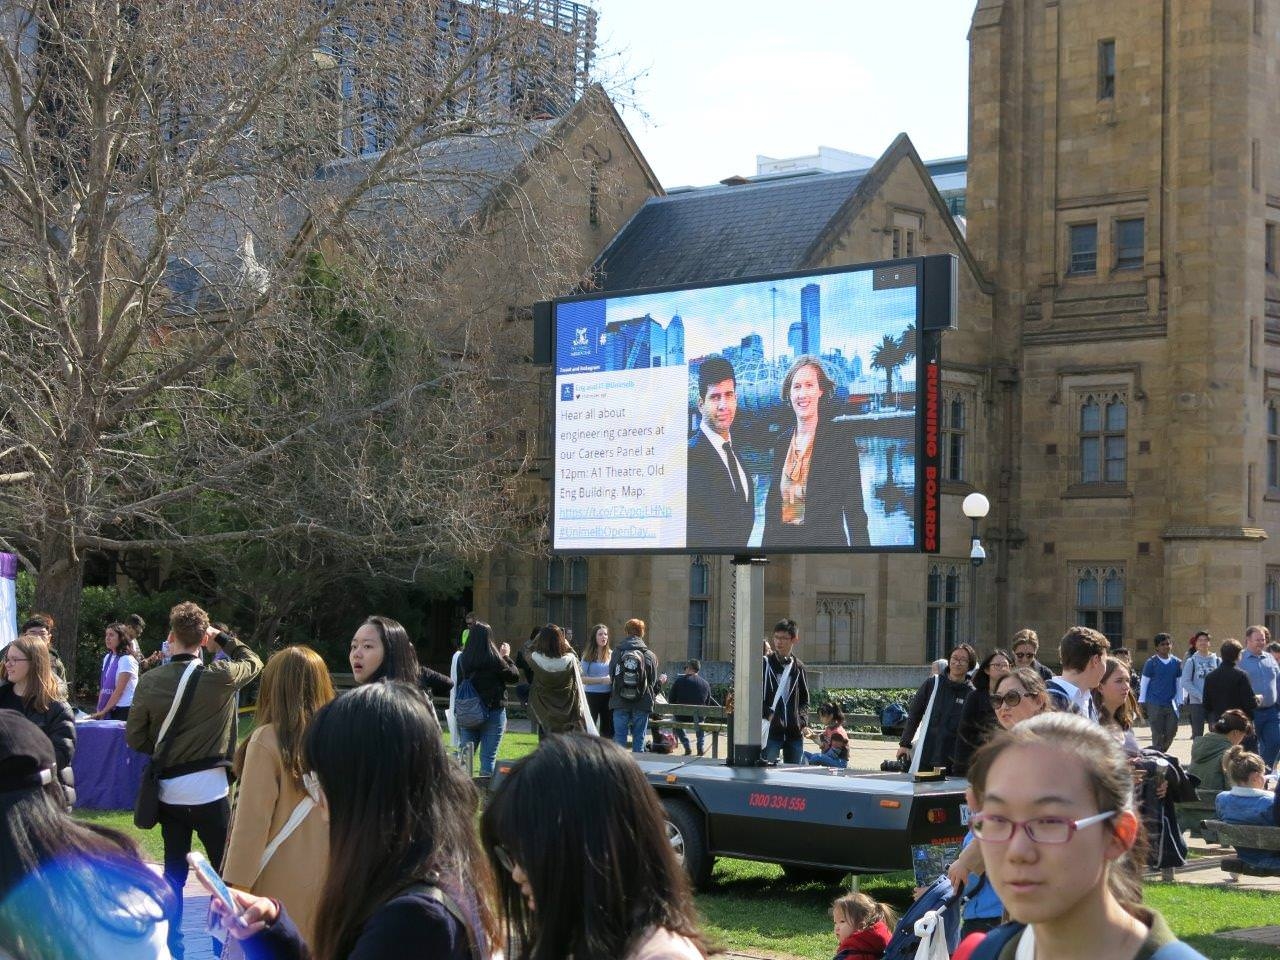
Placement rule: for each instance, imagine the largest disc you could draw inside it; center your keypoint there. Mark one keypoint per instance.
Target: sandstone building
(1114, 387)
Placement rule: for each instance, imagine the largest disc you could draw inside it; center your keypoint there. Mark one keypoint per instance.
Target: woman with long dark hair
(381, 650)
(68, 890)
(578, 843)
(490, 669)
(405, 875)
(279, 843)
(978, 717)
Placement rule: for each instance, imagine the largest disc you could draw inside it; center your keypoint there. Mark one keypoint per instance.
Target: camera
(896, 765)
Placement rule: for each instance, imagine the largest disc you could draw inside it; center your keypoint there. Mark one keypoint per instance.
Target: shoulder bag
(777, 699)
(146, 809)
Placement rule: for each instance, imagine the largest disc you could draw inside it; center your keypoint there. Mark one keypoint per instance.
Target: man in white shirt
(721, 493)
(1083, 655)
(198, 745)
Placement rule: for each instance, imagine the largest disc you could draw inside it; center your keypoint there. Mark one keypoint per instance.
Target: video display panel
(774, 415)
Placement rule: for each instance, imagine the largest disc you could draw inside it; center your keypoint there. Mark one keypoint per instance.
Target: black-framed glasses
(1010, 699)
(991, 828)
(504, 858)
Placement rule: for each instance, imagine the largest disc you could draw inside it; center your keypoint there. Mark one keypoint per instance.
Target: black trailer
(813, 821)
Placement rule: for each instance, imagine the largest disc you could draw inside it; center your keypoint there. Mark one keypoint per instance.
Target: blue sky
(717, 82)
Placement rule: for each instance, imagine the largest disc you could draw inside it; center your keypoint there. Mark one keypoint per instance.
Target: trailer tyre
(687, 835)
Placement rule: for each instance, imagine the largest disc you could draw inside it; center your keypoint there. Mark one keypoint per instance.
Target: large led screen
(776, 415)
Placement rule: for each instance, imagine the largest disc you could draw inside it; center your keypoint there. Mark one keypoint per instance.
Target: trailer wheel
(688, 838)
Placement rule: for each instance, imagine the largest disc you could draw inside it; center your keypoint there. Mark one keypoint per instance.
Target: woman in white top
(119, 676)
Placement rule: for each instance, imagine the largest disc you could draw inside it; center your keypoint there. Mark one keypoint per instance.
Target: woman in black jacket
(489, 668)
(1228, 687)
(31, 688)
(406, 876)
(938, 743)
(978, 718)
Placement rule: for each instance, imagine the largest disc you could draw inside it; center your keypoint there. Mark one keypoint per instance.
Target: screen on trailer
(778, 415)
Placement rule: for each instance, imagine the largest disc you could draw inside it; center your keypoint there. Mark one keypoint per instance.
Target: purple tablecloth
(107, 771)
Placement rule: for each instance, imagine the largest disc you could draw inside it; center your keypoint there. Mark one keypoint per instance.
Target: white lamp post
(975, 507)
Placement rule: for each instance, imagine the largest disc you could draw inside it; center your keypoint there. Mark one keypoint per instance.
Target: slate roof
(724, 232)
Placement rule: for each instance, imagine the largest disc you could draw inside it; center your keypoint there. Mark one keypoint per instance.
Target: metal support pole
(748, 660)
(976, 565)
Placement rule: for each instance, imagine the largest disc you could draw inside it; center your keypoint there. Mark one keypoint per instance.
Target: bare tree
(239, 244)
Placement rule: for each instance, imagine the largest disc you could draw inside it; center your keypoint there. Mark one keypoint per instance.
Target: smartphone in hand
(209, 878)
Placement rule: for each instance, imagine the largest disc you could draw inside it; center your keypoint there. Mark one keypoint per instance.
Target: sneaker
(687, 750)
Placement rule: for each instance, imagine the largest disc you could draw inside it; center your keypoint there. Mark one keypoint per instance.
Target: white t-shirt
(127, 665)
(203, 786)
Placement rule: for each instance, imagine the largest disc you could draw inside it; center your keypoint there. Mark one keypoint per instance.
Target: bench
(1192, 814)
(1250, 836)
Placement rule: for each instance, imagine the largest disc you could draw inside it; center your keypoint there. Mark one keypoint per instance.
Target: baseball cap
(27, 761)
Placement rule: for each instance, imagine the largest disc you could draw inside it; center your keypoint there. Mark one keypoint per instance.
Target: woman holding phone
(405, 873)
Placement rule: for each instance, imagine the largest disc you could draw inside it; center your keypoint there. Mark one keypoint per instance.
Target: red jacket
(866, 944)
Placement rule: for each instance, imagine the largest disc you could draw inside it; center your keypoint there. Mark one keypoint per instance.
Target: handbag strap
(182, 698)
(435, 893)
(782, 686)
(582, 701)
(299, 814)
(922, 732)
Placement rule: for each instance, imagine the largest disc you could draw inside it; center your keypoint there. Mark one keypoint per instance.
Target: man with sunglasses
(1026, 644)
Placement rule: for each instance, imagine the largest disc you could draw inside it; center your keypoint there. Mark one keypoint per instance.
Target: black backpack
(629, 681)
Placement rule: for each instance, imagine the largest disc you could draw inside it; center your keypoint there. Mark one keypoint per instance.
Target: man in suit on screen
(721, 498)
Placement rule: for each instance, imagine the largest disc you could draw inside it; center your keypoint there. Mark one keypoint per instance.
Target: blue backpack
(995, 941)
(938, 897)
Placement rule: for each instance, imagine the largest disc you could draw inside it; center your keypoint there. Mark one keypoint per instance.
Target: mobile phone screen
(209, 877)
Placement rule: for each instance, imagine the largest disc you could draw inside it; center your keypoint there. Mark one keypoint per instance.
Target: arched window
(565, 594)
(1104, 422)
(1100, 600)
(946, 592)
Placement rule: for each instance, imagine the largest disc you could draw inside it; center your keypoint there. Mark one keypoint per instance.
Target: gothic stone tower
(1124, 190)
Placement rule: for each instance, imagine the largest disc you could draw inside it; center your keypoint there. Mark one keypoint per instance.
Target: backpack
(629, 681)
(990, 946)
(938, 906)
(469, 710)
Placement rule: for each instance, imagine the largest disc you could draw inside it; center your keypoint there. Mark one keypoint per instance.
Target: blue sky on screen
(854, 318)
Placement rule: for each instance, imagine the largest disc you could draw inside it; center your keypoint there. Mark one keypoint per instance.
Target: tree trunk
(58, 587)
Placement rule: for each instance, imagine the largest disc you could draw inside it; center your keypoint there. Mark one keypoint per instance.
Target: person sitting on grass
(1248, 802)
(833, 742)
(863, 927)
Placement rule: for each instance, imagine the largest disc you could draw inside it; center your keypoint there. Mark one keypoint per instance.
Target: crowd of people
(569, 856)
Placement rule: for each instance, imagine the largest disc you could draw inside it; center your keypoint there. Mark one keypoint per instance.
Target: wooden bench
(1249, 836)
(1192, 814)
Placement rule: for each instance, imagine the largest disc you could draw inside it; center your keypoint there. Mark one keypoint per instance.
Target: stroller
(930, 929)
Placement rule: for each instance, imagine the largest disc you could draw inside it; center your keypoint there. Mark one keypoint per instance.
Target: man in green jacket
(194, 786)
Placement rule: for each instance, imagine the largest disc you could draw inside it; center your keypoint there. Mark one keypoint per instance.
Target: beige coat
(267, 797)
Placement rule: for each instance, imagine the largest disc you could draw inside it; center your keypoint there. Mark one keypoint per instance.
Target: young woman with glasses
(31, 687)
(1062, 845)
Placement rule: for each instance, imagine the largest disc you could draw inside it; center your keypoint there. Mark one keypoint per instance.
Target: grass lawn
(752, 907)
